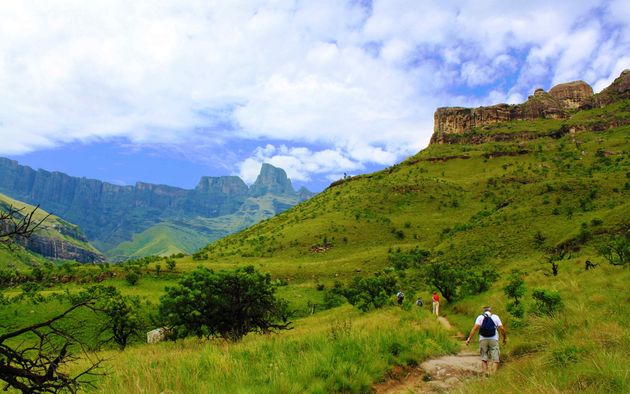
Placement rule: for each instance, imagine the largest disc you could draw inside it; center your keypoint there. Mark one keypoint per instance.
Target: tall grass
(337, 351)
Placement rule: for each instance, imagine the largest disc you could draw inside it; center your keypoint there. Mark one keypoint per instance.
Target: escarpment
(560, 102)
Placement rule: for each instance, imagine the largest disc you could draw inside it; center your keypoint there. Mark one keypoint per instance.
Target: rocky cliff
(559, 103)
(54, 238)
(110, 214)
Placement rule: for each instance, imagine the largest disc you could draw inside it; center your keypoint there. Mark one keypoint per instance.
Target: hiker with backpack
(400, 297)
(489, 326)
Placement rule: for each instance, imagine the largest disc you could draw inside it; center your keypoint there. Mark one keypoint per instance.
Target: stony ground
(444, 374)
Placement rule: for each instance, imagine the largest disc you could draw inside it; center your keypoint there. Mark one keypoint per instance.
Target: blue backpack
(488, 327)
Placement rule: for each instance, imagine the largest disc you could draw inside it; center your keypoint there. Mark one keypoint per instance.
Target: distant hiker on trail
(489, 326)
(401, 297)
(419, 302)
(436, 304)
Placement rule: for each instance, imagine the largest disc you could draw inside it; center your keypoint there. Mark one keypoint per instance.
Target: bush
(617, 249)
(402, 260)
(334, 297)
(228, 304)
(547, 302)
(132, 278)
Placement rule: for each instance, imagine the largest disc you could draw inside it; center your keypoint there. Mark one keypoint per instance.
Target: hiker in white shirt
(488, 343)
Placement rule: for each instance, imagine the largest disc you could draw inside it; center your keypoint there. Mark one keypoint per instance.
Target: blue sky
(166, 91)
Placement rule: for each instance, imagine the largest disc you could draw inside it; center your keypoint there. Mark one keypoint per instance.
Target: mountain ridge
(111, 214)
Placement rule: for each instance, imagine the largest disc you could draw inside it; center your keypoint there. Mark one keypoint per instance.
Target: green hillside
(54, 238)
(507, 204)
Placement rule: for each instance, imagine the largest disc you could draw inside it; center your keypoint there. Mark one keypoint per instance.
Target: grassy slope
(50, 228)
(491, 209)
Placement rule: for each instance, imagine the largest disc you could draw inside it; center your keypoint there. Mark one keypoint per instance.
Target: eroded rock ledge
(559, 103)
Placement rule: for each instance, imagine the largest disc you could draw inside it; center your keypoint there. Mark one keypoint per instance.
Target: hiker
(489, 326)
(419, 302)
(436, 304)
(401, 297)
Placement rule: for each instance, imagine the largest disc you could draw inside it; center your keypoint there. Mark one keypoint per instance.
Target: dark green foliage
(403, 259)
(372, 292)
(170, 264)
(334, 297)
(547, 301)
(616, 249)
(515, 290)
(228, 304)
(132, 277)
(201, 255)
(454, 280)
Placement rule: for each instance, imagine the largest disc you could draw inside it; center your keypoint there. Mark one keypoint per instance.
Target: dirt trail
(436, 375)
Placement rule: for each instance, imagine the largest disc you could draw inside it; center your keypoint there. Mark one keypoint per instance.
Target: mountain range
(146, 219)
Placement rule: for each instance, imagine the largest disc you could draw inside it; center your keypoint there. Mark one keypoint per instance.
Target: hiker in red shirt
(436, 304)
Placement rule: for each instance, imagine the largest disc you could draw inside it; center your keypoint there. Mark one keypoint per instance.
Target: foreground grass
(339, 350)
(584, 347)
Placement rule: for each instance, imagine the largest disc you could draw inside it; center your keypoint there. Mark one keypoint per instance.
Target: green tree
(372, 292)
(515, 290)
(170, 264)
(617, 249)
(228, 304)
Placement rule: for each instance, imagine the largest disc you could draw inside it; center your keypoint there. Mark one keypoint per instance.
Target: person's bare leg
(494, 367)
(484, 366)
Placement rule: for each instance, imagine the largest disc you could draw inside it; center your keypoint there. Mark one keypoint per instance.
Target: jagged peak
(271, 180)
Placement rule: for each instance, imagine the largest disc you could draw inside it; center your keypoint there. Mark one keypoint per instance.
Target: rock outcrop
(572, 95)
(59, 249)
(559, 103)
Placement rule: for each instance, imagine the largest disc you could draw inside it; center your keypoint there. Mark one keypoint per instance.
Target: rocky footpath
(560, 102)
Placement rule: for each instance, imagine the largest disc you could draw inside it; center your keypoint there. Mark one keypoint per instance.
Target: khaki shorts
(489, 349)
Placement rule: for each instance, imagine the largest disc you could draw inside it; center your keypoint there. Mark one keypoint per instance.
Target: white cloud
(361, 82)
(300, 163)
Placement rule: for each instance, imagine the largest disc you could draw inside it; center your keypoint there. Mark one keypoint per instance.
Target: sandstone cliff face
(559, 103)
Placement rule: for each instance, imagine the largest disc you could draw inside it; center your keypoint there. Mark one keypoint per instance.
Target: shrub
(515, 290)
(334, 297)
(547, 301)
(401, 260)
(132, 277)
(228, 304)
